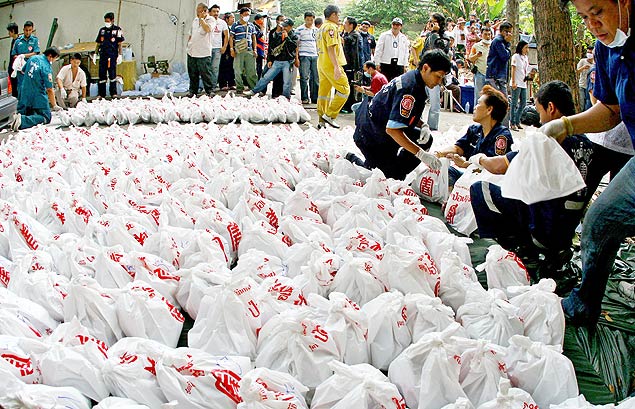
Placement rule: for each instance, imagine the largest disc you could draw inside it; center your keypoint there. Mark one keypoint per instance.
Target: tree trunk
(512, 10)
(554, 36)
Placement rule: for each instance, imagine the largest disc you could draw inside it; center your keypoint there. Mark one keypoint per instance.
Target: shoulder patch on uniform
(332, 33)
(50, 77)
(501, 145)
(406, 105)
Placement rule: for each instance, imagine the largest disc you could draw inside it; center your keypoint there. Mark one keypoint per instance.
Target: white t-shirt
(521, 62)
(584, 74)
(200, 44)
(66, 76)
(617, 139)
(460, 36)
(217, 33)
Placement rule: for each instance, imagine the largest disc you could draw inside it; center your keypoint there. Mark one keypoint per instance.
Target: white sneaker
(330, 121)
(248, 93)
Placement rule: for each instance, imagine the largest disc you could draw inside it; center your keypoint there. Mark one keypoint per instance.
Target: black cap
(287, 22)
(259, 16)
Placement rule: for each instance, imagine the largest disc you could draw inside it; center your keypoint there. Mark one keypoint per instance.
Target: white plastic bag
(23, 318)
(358, 386)
(427, 373)
(504, 269)
(461, 403)
(541, 171)
(482, 367)
(198, 380)
(43, 396)
(388, 333)
(194, 283)
(458, 211)
(431, 185)
(359, 278)
(541, 370)
(510, 398)
(119, 403)
(262, 388)
(541, 311)
(143, 312)
(428, 314)
(295, 343)
(18, 357)
(579, 402)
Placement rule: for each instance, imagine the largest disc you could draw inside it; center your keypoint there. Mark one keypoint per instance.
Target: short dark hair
(559, 94)
(13, 28)
(110, 16)
(28, 23)
(497, 101)
(76, 56)
(353, 21)
(437, 60)
(519, 47)
(244, 10)
(506, 26)
(330, 10)
(279, 18)
(486, 21)
(309, 14)
(214, 6)
(318, 21)
(370, 64)
(460, 62)
(52, 52)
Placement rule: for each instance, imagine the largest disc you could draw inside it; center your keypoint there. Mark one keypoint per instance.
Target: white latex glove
(57, 108)
(555, 129)
(94, 58)
(63, 93)
(424, 135)
(475, 160)
(84, 100)
(119, 59)
(429, 159)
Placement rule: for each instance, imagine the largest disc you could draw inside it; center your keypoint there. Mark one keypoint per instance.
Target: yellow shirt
(417, 45)
(329, 36)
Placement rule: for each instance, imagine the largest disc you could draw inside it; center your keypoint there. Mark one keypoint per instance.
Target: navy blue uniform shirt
(499, 55)
(108, 40)
(398, 105)
(497, 142)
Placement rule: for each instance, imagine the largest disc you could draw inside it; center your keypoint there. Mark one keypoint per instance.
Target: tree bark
(554, 36)
(511, 14)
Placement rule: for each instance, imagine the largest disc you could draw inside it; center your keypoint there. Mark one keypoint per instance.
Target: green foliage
(296, 8)
(381, 12)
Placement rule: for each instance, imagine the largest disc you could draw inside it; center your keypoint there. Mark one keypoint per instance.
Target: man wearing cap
(393, 50)
(367, 42)
(330, 69)
(37, 97)
(387, 128)
(71, 83)
(280, 59)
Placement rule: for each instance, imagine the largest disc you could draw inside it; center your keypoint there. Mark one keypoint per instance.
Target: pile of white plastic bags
(219, 110)
(313, 283)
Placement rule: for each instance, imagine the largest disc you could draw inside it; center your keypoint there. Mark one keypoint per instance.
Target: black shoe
(355, 160)
(189, 95)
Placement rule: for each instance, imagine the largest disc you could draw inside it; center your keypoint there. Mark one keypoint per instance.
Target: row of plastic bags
(285, 254)
(220, 110)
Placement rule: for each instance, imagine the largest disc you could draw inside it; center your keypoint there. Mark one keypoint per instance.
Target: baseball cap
(460, 20)
(287, 22)
(259, 16)
(397, 20)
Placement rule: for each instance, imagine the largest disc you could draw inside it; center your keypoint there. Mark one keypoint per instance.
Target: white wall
(79, 20)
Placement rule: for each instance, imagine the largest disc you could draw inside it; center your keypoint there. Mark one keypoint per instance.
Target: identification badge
(406, 105)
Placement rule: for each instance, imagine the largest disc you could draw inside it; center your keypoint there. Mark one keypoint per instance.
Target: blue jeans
(435, 107)
(479, 83)
(609, 220)
(517, 108)
(33, 116)
(308, 78)
(277, 67)
(501, 85)
(215, 66)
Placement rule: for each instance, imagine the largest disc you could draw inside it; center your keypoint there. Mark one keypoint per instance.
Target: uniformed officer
(331, 64)
(27, 44)
(389, 121)
(541, 228)
(37, 97)
(109, 41)
(488, 136)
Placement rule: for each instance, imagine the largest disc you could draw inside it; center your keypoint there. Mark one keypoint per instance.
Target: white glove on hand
(84, 100)
(476, 159)
(119, 59)
(94, 58)
(429, 159)
(424, 134)
(555, 129)
(57, 108)
(63, 93)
